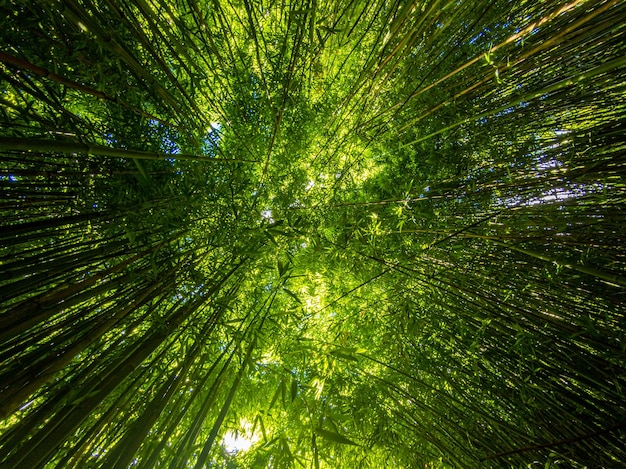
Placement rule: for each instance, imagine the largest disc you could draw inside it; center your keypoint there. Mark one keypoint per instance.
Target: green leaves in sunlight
(312, 233)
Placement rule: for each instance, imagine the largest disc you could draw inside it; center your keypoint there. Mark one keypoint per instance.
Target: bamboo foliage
(346, 234)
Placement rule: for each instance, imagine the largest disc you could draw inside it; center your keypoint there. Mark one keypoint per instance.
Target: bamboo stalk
(36, 145)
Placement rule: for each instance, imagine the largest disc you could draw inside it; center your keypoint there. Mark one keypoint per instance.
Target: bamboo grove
(341, 234)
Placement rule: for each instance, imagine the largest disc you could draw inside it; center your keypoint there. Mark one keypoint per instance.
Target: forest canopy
(312, 233)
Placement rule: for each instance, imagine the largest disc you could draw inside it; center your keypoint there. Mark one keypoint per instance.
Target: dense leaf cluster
(322, 234)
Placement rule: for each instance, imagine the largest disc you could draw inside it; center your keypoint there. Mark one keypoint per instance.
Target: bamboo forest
(319, 234)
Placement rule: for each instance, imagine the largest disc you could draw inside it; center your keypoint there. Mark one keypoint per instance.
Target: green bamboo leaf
(346, 354)
(275, 397)
(283, 393)
(270, 236)
(142, 170)
(292, 294)
(294, 389)
(335, 437)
